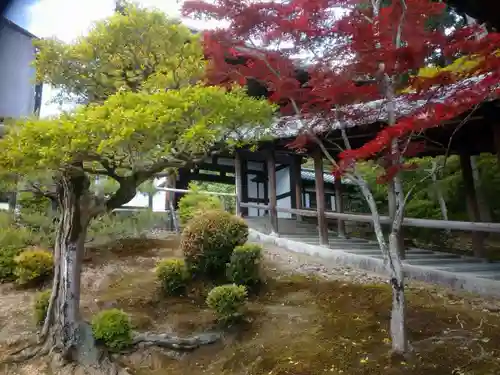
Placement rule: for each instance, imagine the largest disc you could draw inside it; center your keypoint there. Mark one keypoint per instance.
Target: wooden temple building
(268, 180)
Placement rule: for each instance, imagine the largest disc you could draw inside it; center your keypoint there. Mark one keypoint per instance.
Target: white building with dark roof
(20, 96)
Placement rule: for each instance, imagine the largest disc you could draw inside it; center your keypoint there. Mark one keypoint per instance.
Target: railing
(468, 226)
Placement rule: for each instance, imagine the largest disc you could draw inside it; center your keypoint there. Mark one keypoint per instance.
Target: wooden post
(12, 196)
(320, 198)
(297, 185)
(472, 204)
(339, 206)
(150, 201)
(170, 196)
(170, 202)
(238, 182)
(271, 173)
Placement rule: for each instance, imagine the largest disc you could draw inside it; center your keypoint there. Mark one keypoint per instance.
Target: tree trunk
(398, 320)
(484, 209)
(62, 326)
(439, 194)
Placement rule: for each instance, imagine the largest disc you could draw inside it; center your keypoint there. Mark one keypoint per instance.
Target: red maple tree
(348, 41)
(334, 64)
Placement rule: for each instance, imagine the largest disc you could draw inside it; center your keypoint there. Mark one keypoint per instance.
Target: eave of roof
(16, 27)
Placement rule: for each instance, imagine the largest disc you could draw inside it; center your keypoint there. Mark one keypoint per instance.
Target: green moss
(304, 325)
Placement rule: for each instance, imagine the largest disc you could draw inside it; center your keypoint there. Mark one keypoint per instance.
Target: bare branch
(37, 190)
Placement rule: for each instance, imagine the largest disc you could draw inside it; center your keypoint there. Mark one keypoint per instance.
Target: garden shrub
(244, 266)
(227, 301)
(30, 203)
(192, 203)
(122, 224)
(173, 275)
(41, 305)
(33, 265)
(113, 328)
(209, 240)
(42, 227)
(13, 240)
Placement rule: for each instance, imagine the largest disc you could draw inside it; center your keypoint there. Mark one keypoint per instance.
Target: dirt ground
(309, 318)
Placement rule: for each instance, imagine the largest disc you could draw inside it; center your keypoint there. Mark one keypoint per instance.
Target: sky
(69, 19)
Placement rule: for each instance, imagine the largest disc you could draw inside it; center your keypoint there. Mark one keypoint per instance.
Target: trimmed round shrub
(33, 265)
(173, 275)
(244, 266)
(113, 328)
(41, 305)
(227, 301)
(193, 203)
(209, 240)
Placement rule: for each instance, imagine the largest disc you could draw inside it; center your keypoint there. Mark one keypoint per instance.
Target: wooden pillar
(297, 185)
(339, 206)
(472, 204)
(12, 197)
(244, 186)
(170, 201)
(320, 198)
(271, 173)
(238, 181)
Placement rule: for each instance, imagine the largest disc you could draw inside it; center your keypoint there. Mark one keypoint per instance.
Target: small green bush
(209, 240)
(42, 227)
(13, 240)
(41, 305)
(33, 265)
(173, 275)
(193, 203)
(244, 266)
(227, 301)
(112, 327)
(29, 203)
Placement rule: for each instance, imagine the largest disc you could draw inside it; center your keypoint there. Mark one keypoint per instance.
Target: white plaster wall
(17, 90)
(334, 206)
(312, 190)
(255, 166)
(283, 187)
(254, 191)
(283, 181)
(142, 200)
(307, 203)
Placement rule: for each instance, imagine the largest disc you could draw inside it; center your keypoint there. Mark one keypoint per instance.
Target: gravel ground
(280, 259)
(288, 261)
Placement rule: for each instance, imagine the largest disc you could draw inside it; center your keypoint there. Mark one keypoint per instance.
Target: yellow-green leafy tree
(144, 109)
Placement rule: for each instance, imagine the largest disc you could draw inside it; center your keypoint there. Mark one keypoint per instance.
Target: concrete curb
(456, 281)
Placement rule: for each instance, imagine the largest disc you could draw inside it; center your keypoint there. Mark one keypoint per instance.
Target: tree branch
(37, 190)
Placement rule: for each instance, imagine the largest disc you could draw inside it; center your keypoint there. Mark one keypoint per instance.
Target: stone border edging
(460, 282)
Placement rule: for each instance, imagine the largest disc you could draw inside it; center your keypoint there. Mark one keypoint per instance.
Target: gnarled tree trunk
(62, 327)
